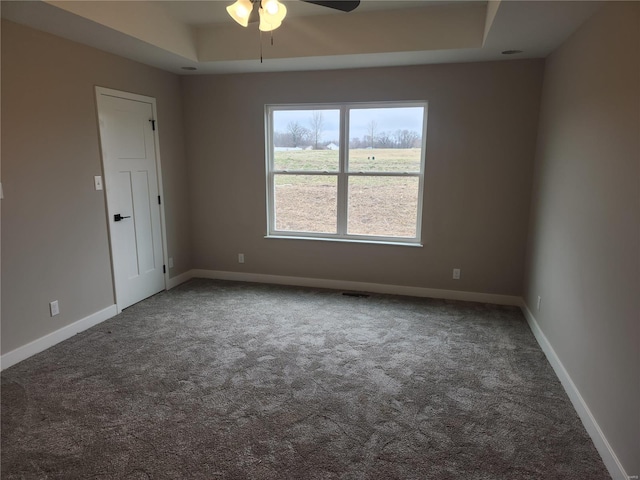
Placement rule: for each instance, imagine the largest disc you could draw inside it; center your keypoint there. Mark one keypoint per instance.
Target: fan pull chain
(260, 31)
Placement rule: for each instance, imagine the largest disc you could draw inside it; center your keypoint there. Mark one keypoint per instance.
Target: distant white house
(332, 146)
(285, 149)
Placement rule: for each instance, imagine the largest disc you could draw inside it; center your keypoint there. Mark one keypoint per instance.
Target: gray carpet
(223, 380)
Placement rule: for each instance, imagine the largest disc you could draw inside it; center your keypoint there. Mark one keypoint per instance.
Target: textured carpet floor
(222, 380)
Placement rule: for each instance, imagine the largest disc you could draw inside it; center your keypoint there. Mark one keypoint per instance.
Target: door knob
(117, 217)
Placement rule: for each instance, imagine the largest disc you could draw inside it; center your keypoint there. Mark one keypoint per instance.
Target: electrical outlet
(538, 303)
(456, 274)
(54, 308)
(170, 262)
(241, 258)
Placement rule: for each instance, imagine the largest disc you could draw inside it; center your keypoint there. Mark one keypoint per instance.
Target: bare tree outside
(385, 140)
(317, 126)
(372, 130)
(298, 133)
(407, 138)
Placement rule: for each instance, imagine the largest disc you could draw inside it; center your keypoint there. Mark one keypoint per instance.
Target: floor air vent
(356, 294)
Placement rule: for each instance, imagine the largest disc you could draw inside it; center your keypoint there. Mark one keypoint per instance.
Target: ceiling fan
(272, 12)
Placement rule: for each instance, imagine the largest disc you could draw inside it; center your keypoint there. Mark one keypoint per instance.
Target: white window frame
(342, 175)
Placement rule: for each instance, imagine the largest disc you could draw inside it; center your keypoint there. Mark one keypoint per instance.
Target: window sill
(345, 240)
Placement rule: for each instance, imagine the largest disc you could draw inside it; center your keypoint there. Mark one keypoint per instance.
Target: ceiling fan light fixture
(266, 25)
(241, 11)
(274, 8)
(272, 12)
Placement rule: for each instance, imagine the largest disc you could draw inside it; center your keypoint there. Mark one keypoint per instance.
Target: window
(366, 188)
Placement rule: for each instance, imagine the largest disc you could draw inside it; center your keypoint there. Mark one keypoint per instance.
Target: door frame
(156, 138)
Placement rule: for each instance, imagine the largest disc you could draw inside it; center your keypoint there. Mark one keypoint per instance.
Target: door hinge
(159, 202)
(164, 269)
(153, 125)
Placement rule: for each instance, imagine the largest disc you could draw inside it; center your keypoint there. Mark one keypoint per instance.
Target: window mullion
(342, 176)
(271, 199)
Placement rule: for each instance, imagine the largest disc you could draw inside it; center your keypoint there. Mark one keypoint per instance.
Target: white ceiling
(174, 34)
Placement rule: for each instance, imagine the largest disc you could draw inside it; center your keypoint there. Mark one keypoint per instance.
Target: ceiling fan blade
(342, 5)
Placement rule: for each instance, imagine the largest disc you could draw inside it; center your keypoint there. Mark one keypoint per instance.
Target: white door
(127, 135)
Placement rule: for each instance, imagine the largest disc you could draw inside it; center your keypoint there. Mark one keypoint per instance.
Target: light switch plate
(98, 182)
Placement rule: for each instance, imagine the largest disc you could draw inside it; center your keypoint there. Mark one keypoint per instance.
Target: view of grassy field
(382, 206)
(360, 160)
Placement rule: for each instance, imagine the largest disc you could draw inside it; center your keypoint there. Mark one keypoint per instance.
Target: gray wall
(54, 232)
(480, 147)
(584, 245)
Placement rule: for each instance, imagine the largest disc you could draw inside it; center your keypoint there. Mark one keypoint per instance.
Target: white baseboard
(53, 338)
(359, 286)
(609, 457)
(179, 279)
